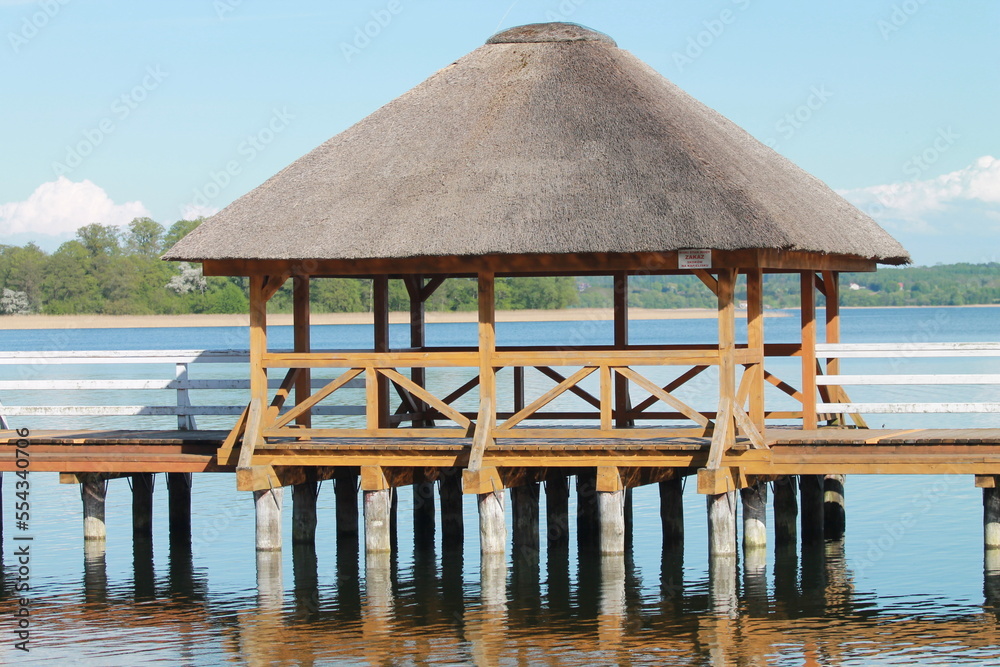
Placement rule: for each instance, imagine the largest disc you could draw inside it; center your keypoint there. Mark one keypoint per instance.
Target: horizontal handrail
(905, 350)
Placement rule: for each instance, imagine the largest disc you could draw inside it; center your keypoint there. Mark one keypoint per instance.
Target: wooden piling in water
(524, 511)
(786, 513)
(557, 508)
(267, 506)
(754, 517)
(142, 505)
(834, 507)
(179, 506)
(93, 493)
(611, 511)
(588, 524)
(672, 511)
(452, 521)
(811, 497)
(304, 498)
(722, 525)
(423, 512)
(345, 489)
(378, 506)
(991, 516)
(492, 526)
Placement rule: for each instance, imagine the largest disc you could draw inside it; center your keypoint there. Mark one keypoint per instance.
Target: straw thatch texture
(538, 146)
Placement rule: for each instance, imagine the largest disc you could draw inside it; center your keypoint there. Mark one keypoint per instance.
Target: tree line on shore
(117, 271)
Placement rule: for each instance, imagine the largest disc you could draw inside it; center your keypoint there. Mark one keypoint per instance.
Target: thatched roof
(548, 139)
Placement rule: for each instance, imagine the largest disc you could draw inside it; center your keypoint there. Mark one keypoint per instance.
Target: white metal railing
(901, 351)
(182, 408)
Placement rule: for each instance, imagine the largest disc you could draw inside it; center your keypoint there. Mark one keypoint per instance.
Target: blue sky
(113, 109)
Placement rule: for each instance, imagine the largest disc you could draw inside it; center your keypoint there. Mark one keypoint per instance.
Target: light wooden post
(811, 496)
(808, 320)
(380, 311)
(93, 492)
(418, 338)
(722, 525)
(142, 505)
(623, 402)
(786, 513)
(755, 342)
(179, 501)
(267, 505)
(754, 517)
(378, 528)
(672, 512)
(492, 527)
(258, 348)
(557, 508)
(611, 510)
(991, 515)
(834, 507)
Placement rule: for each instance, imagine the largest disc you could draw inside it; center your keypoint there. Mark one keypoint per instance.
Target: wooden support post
(267, 505)
(258, 348)
(991, 516)
(304, 497)
(754, 517)
(611, 511)
(487, 349)
(811, 497)
(452, 521)
(786, 513)
(722, 525)
(672, 512)
(831, 284)
(587, 515)
(623, 401)
(557, 508)
(142, 506)
(4, 425)
(380, 311)
(378, 510)
(302, 343)
(179, 502)
(492, 526)
(834, 507)
(524, 508)
(808, 321)
(725, 436)
(423, 512)
(345, 489)
(418, 337)
(93, 493)
(755, 342)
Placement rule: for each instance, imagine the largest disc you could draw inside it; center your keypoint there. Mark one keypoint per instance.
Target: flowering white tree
(188, 280)
(14, 303)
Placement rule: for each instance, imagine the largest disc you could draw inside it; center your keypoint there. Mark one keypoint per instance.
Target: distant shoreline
(285, 319)
(23, 322)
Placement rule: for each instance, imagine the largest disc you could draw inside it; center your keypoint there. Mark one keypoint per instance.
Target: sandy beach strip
(280, 319)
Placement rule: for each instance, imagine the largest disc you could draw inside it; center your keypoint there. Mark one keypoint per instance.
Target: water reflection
(533, 605)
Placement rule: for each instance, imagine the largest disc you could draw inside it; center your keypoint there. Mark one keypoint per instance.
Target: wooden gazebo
(548, 151)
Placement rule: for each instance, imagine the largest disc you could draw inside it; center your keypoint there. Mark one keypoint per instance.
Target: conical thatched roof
(548, 139)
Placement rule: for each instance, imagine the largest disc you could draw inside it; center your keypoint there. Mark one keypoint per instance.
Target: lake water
(909, 584)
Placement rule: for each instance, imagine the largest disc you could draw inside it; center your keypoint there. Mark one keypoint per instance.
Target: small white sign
(694, 259)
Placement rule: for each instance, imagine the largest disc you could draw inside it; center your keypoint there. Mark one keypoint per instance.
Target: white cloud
(62, 206)
(976, 187)
(195, 211)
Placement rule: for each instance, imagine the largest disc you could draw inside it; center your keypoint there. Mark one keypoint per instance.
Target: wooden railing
(900, 352)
